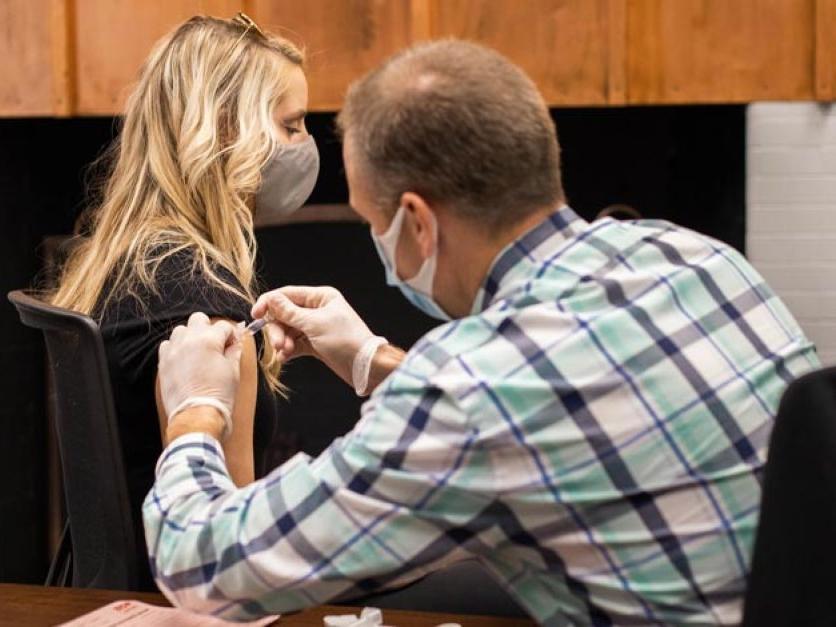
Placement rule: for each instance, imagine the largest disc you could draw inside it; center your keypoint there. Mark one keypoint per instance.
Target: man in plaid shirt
(590, 422)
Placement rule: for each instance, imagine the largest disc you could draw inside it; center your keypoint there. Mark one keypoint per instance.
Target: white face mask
(287, 179)
(419, 289)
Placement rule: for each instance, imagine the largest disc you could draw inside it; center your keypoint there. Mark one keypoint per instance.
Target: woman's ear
(421, 220)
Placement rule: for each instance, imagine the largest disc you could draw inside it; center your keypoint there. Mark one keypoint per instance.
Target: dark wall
(41, 164)
(684, 164)
(679, 163)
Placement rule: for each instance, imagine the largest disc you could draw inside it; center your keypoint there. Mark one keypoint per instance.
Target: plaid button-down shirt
(594, 433)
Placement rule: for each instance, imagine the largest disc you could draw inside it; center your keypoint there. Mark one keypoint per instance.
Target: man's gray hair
(459, 124)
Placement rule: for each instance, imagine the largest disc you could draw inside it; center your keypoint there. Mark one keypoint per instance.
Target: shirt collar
(532, 247)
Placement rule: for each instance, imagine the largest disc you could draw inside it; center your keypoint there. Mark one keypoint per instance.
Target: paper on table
(137, 613)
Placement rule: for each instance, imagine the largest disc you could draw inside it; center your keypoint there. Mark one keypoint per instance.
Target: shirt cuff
(189, 445)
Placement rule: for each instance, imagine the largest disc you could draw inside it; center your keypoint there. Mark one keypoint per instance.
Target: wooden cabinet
(64, 57)
(34, 58)
(719, 51)
(564, 45)
(343, 38)
(113, 38)
(825, 45)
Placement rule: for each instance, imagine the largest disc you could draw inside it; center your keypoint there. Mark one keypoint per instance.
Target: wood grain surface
(30, 606)
(80, 57)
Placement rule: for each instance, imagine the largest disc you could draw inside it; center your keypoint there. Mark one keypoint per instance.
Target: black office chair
(791, 581)
(99, 517)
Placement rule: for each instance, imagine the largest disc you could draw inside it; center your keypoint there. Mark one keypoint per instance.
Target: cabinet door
(568, 47)
(114, 38)
(343, 38)
(826, 49)
(34, 78)
(719, 50)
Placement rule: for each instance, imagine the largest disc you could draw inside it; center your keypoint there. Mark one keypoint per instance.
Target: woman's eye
(292, 130)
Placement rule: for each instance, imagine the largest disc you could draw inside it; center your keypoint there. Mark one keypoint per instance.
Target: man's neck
(476, 250)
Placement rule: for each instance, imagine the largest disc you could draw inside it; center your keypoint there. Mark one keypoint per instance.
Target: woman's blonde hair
(197, 131)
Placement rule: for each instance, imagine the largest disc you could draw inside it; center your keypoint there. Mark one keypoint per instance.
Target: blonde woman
(213, 132)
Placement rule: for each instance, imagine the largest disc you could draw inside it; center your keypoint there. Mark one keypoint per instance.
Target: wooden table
(30, 606)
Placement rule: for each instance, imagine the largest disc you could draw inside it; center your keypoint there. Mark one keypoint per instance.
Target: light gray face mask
(287, 180)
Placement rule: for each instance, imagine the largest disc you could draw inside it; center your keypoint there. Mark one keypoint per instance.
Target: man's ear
(421, 220)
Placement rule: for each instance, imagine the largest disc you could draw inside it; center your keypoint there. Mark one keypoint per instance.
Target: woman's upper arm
(238, 447)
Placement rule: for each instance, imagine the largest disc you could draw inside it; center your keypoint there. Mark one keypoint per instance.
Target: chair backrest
(791, 579)
(103, 546)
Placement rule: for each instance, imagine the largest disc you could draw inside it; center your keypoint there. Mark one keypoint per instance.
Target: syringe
(256, 325)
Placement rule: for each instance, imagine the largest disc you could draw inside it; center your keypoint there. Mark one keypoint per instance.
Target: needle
(256, 325)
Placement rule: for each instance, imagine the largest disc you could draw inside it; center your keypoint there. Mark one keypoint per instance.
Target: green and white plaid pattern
(594, 433)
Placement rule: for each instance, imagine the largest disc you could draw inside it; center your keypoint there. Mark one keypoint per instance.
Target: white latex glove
(318, 321)
(200, 365)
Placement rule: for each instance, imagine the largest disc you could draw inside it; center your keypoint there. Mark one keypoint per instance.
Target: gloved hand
(200, 365)
(318, 321)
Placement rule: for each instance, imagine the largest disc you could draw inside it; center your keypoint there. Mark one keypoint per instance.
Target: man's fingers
(289, 345)
(178, 333)
(285, 311)
(276, 335)
(260, 308)
(224, 333)
(199, 318)
(300, 295)
(302, 347)
(265, 303)
(162, 351)
(306, 296)
(240, 330)
(233, 351)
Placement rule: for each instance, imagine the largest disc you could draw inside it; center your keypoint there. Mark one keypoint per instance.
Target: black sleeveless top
(133, 326)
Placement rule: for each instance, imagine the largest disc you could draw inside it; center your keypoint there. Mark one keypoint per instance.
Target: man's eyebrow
(295, 117)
